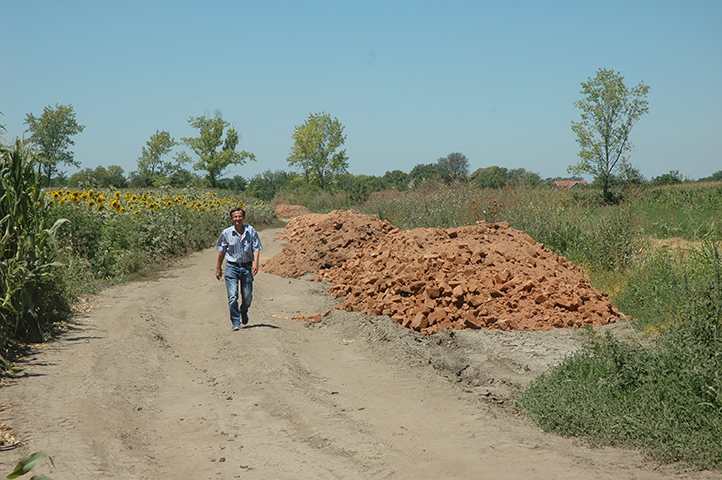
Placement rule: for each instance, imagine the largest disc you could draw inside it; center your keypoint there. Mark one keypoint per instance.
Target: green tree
(51, 134)
(522, 176)
(150, 164)
(631, 176)
(671, 178)
(238, 184)
(183, 178)
(490, 177)
(266, 185)
(99, 178)
(609, 111)
(715, 177)
(455, 166)
(425, 171)
(314, 150)
(215, 154)
(360, 187)
(497, 177)
(396, 179)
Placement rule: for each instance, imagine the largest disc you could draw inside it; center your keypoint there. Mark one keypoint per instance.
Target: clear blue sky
(411, 81)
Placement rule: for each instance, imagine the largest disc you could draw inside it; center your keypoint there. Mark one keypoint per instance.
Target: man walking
(241, 247)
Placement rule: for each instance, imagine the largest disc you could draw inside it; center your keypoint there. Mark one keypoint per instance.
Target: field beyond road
(151, 383)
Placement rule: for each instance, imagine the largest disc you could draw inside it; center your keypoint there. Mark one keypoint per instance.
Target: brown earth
(480, 276)
(318, 241)
(152, 383)
(286, 212)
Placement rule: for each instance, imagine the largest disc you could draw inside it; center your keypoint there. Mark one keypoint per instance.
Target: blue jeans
(234, 275)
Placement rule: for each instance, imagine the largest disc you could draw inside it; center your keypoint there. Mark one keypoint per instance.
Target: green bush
(664, 400)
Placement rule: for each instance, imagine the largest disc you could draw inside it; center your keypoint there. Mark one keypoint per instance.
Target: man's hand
(254, 270)
(219, 274)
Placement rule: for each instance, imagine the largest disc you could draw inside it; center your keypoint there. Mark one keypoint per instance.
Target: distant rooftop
(569, 183)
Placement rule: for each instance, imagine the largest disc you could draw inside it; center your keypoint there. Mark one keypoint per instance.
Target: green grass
(664, 400)
(689, 211)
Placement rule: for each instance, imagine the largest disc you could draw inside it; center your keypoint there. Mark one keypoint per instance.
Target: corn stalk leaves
(27, 248)
(28, 463)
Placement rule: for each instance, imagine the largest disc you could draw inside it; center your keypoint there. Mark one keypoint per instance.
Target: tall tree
(150, 163)
(314, 151)
(609, 111)
(214, 152)
(455, 166)
(50, 133)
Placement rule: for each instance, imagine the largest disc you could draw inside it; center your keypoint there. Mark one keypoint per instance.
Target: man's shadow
(259, 325)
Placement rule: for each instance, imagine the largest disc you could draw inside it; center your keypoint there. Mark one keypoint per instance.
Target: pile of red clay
(486, 276)
(322, 241)
(285, 212)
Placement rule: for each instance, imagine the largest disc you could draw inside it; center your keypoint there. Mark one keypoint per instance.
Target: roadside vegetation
(115, 236)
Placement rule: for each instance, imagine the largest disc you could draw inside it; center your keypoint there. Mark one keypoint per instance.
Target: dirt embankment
(286, 212)
(487, 276)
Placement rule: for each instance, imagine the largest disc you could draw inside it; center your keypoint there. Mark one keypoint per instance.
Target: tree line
(609, 111)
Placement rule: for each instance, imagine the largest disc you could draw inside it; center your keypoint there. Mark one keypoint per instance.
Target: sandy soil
(152, 383)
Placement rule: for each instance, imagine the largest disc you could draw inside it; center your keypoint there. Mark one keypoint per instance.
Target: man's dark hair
(236, 209)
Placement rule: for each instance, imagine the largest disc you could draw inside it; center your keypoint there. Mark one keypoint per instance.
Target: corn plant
(28, 463)
(27, 248)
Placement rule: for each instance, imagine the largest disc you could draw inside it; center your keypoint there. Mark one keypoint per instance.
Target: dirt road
(152, 383)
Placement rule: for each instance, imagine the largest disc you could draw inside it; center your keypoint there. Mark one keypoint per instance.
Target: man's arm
(219, 270)
(256, 258)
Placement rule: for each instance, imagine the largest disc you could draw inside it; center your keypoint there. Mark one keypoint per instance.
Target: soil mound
(482, 276)
(285, 212)
(322, 241)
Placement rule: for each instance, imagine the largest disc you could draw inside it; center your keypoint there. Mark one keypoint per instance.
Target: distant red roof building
(569, 183)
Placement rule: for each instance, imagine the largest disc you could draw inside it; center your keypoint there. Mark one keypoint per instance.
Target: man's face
(238, 217)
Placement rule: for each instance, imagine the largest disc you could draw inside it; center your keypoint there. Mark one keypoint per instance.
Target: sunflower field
(116, 235)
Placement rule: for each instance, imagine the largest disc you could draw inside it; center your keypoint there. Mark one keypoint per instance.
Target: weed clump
(665, 399)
